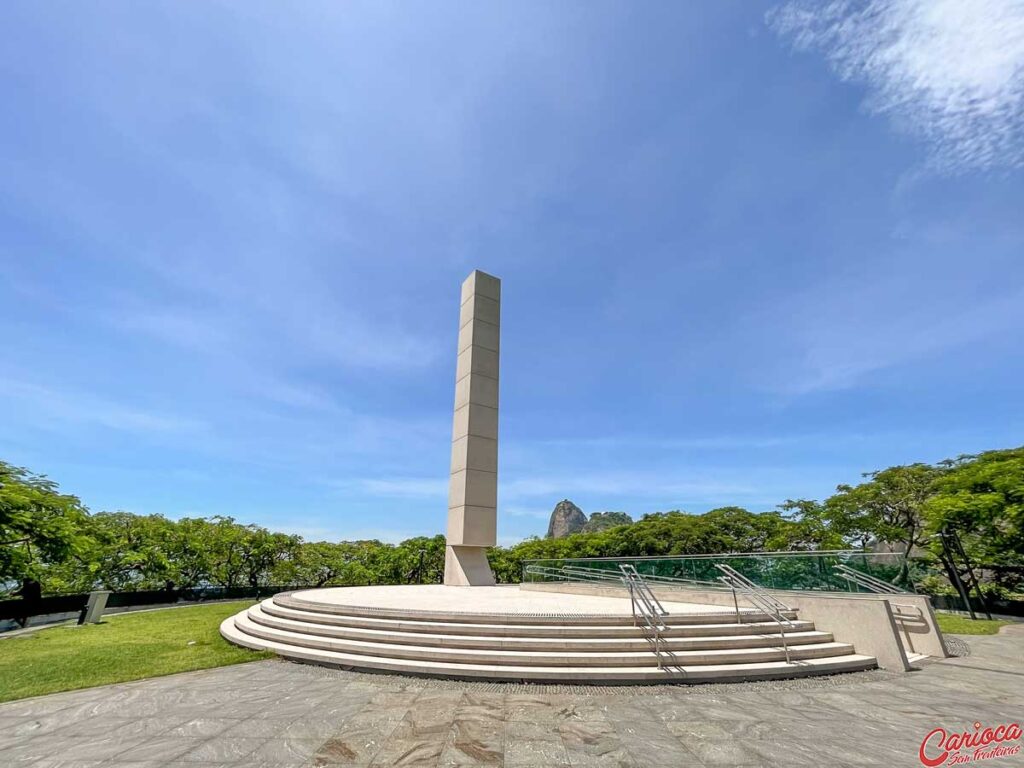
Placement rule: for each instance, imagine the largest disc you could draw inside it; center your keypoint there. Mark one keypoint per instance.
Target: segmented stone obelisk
(473, 487)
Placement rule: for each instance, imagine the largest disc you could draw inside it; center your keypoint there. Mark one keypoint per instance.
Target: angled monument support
(473, 486)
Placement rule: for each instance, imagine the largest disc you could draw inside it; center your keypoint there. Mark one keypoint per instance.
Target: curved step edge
(288, 600)
(591, 675)
(524, 630)
(483, 641)
(537, 658)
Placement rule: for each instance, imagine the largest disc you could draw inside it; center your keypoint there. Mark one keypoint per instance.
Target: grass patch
(955, 624)
(124, 647)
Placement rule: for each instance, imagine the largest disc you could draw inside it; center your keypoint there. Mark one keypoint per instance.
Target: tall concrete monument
(473, 487)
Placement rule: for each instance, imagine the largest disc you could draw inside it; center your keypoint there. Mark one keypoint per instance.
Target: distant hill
(601, 520)
(567, 519)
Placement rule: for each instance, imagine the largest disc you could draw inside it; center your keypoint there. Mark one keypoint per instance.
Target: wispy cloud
(949, 71)
(663, 484)
(516, 510)
(851, 331)
(51, 406)
(395, 487)
(522, 495)
(707, 442)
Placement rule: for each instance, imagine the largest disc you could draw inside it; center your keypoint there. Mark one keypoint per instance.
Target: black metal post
(950, 562)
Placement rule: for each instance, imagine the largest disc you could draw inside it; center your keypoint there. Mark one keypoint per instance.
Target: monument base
(467, 567)
(513, 634)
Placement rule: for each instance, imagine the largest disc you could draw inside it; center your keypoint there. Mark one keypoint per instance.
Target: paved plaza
(275, 713)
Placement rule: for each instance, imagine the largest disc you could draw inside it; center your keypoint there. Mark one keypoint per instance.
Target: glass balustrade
(802, 571)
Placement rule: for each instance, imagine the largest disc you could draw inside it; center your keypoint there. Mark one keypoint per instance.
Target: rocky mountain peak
(566, 519)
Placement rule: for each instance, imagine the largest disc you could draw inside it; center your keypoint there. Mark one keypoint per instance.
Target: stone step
(411, 616)
(527, 630)
(502, 657)
(485, 640)
(689, 673)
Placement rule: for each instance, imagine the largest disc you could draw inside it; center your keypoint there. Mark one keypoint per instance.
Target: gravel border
(388, 681)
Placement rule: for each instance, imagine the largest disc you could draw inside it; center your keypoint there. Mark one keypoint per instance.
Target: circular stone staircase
(489, 644)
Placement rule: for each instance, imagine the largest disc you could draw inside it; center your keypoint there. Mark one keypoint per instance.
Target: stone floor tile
(391, 699)
(475, 742)
(471, 753)
(221, 750)
(87, 747)
(619, 757)
(526, 707)
(255, 729)
(285, 751)
(424, 725)
(698, 730)
(659, 751)
(522, 730)
(409, 752)
(287, 708)
(594, 743)
(732, 752)
(157, 748)
(351, 746)
(523, 753)
(314, 727)
(200, 728)
(481, 706)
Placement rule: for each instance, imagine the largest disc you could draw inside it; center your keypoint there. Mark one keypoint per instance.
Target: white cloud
(662, 484)
(513, 510)
(527, 495)
(396, 487)
(848, 330)
(47, 406)
(947, 70)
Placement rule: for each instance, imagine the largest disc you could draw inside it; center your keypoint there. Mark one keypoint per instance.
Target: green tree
(39, 527)
(981, 497)
(813, 527)
(189, 554)
(263, 551)
(120, 551)
(599, 521)
(887, 508)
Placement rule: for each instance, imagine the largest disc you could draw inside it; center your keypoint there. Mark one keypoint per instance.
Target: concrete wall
(887, 627)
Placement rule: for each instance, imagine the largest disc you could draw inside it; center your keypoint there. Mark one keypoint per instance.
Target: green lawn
(124, 647)
(955, 624)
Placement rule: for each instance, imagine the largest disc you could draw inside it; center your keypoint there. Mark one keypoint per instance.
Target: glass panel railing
(802, 571)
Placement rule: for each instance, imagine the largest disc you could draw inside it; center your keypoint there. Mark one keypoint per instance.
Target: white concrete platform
(507, 599)
(504, 633)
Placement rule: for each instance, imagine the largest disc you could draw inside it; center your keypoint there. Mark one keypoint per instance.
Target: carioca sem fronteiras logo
(940, 747)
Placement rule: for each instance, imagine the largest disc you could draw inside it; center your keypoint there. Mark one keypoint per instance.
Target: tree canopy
(50, 541)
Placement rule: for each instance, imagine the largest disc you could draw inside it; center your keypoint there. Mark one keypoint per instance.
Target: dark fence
(22, 610)
(1002, 607)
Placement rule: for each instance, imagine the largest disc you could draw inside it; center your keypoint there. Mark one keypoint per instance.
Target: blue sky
(748, 250)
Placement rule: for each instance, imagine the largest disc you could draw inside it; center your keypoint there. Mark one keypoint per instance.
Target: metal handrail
(870, 583)
(643, 590)
(750, 586)
(605, 573)
(901, 607)
(544, 570)
(592, 573)
(651, 610)
(769, 555)
(768, 605)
